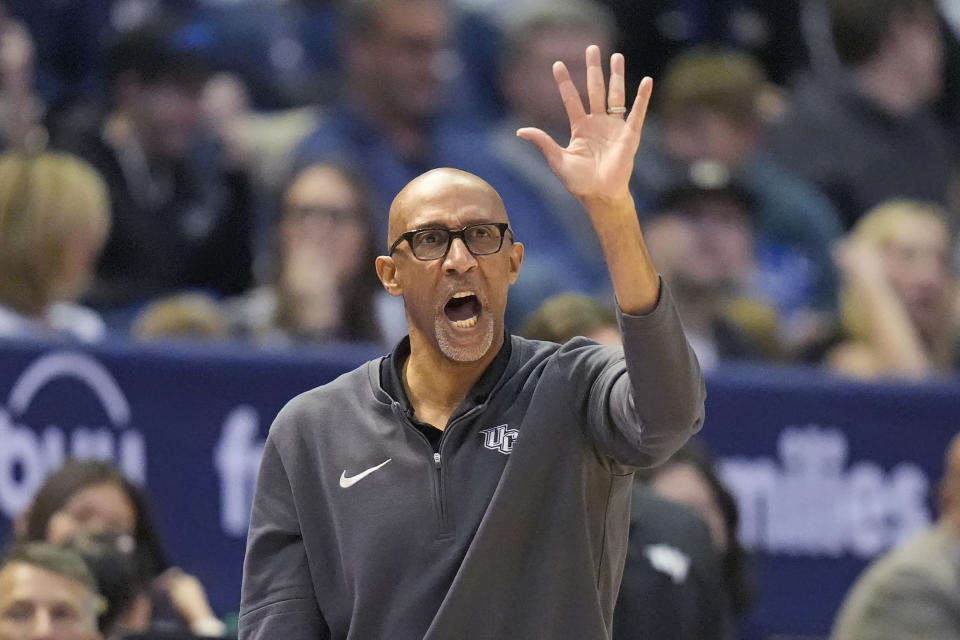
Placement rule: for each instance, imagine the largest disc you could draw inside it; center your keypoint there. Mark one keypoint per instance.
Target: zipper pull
(436, 460)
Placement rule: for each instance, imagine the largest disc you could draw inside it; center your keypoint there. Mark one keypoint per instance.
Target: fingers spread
(595, 86)
(568, 92)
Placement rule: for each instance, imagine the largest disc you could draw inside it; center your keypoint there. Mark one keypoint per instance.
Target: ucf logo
(500, 439)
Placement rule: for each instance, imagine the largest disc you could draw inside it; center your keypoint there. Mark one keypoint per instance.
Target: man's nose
(42, 626)
(458, 258)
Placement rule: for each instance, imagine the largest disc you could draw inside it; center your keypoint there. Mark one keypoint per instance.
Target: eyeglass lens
(481, 239)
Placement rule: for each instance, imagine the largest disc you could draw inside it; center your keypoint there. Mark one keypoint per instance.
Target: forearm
(645, 406)
(635, 280)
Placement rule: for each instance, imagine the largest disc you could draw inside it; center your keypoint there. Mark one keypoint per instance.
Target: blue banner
(827, 474)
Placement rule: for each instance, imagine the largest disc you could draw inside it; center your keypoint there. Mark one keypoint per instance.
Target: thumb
(550, 149)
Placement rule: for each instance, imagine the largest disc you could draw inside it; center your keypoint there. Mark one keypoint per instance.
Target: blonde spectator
(565, 316)
(54, 220)
(189, 315)
(899, 294)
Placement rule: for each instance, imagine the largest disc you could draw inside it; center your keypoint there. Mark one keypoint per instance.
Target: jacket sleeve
(643, 409)
(277, 600)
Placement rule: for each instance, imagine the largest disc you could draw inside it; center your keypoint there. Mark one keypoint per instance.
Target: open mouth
(463, 309)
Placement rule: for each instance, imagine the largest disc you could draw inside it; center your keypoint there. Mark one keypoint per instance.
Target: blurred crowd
(221, 170)
(211, 170)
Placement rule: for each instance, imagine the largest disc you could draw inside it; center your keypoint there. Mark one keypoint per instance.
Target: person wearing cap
(715, 105)
(702, 236)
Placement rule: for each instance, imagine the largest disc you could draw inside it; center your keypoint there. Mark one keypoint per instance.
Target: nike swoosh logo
(346, 482)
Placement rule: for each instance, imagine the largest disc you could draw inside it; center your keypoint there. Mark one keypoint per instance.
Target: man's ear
(516, 259)
(387, 272)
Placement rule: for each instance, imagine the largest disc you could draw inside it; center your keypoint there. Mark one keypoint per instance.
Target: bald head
(426, 198)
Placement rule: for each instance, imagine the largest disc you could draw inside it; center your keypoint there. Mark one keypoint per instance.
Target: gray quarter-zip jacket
(515, 530)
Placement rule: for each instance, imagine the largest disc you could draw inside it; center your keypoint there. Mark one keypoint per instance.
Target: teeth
(463, 294)
(466, 324)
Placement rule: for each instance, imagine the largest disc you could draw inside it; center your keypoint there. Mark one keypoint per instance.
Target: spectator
(20, 107)
(91, 496)
(656, 31)
(181, 316)
(257, 142)
(824, 59)
(54, 219)
(390, 123)
(690, 477)
(868, 133)
(703, 242)
(715, 106)
(671, 587)
(563, 317)
(563, 254)
(899, 294)
(179, 218)
(324, 288)
(911, 592)
(84, 497)
(47, 592)
(68, 57)
(112, 560)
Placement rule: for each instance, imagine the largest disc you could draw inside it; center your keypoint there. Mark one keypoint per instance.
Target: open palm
(599, 159)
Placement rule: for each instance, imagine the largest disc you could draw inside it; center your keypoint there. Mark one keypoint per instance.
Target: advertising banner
(827, 474)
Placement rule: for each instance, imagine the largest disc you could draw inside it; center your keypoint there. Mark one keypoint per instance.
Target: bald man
(471, 484)
(912, 592)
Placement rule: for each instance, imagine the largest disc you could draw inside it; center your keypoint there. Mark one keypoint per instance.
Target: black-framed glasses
(429, 244)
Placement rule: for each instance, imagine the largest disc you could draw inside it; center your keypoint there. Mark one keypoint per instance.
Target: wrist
(604, 205)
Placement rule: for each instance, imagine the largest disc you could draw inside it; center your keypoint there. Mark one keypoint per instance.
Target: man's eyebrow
(17, 602)
(430, 224)
(436, 224)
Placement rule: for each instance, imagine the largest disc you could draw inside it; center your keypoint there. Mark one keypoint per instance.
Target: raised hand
(597, 163)
(596, 166)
